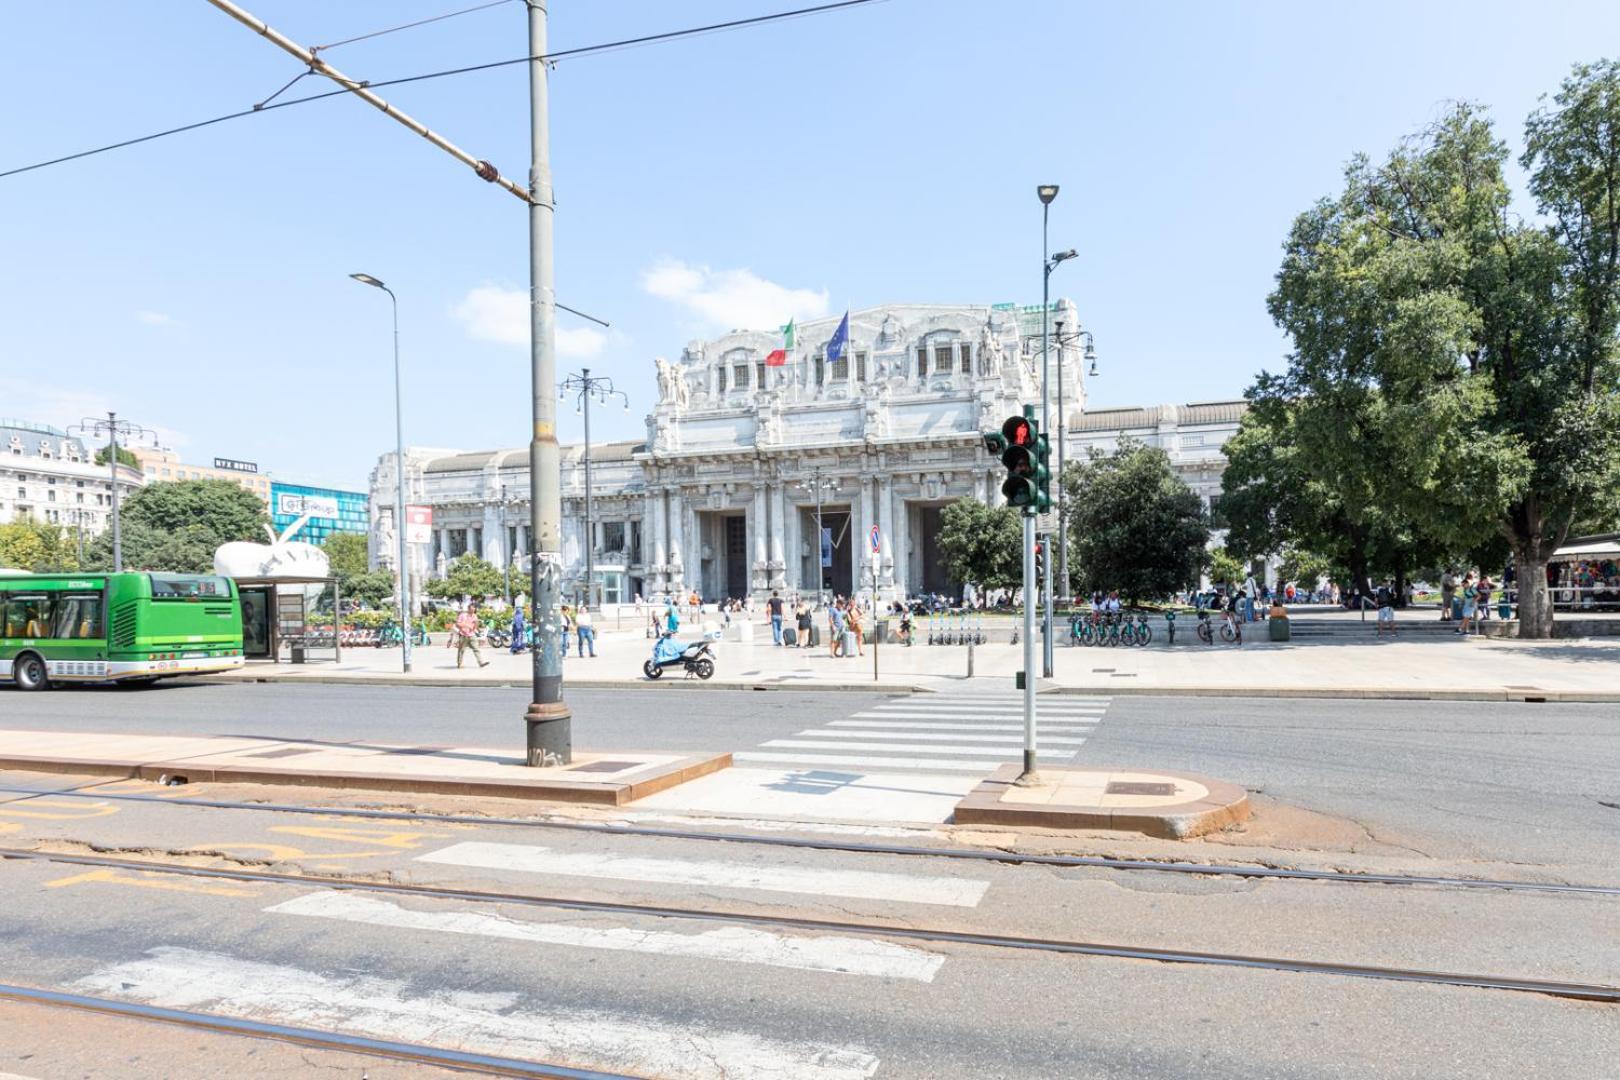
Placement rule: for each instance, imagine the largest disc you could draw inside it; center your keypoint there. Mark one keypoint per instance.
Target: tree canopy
(982, 545)
(1134, 525)
(467, 575)
(126, 456)
(38, 547)
(177, 526)
(349, 557)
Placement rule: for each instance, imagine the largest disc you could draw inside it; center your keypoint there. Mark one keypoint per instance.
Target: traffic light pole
(1029, 777)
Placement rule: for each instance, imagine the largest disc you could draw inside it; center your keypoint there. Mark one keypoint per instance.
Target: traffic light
(1040, 561)
(1023, 451)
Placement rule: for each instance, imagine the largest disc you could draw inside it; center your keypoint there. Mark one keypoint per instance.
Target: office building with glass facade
(329, 510)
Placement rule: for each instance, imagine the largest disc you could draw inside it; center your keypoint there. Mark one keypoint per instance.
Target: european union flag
(840, 340)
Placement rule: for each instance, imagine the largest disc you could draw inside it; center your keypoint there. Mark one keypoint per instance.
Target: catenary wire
(551, 58)
(408, 26)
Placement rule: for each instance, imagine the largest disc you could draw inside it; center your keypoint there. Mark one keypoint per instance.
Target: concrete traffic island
(1168, 805)
(604, 779)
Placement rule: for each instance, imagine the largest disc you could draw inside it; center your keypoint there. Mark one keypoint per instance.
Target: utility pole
(586, 386)
(95, 427)
(549, 721)
(1046, 376)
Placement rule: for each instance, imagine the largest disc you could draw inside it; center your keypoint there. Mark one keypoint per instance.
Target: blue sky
(883, 154)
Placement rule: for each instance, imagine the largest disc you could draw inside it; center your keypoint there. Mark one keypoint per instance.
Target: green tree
(177, 526)
(1482, 346)
(1225, 569)
(38, 547)
(467, 575)
(348, 554)
(982, 545)
(1305, 568)
(126, 456)
(1134, 525)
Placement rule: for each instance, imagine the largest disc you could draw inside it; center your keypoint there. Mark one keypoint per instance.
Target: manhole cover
(1134, 787)
(604, 766)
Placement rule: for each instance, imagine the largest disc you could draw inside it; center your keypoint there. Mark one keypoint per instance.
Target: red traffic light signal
(1018, 431)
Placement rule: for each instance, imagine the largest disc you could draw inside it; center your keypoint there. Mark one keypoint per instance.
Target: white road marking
(899, 748)
(932, 725)
(865, 734)
(986, 710)
(737, 944)
(770, 825)
(484, 1022)
(808, 881)
(878, 763)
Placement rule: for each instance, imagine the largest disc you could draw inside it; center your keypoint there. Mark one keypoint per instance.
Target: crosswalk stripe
(827, 734)
(876, 764)
(902, 748)
(1012, 696)
(1062, 718)
(737, 944)
(931, 725)
(859, 884)
(1040, 706)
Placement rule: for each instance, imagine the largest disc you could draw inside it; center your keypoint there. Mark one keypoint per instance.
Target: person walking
(567, 613)
(520, 632)
(854, 617)
(774, 606)
(467, 630)
(1448, 594)
(802, 618)
(1386, 610)
(835, 627)
(1468, 605)
(586, 630)
(1482, 603)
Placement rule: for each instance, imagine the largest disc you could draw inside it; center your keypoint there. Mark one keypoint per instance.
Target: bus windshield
(189, 586)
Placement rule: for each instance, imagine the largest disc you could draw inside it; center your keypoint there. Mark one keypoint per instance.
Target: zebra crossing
(964, 732)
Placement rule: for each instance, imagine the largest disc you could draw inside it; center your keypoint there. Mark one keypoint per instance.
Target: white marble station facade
(721, 497)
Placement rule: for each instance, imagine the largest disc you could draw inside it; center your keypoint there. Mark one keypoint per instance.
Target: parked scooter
(696, 658)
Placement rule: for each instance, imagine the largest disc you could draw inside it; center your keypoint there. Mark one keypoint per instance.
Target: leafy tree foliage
(982, 545)
(177, 526)
(1134, 525)
(348, 554)
(1468, 357)
(467, 575)
(1225, 568)
(38, 547)
(126, 456)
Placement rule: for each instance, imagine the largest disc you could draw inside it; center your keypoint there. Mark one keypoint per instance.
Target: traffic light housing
(1040, 560)
(1024, 452)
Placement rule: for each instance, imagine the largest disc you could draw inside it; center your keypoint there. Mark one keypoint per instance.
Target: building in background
(330, 510)
(50, 476)
(720, 498)
(166, 466)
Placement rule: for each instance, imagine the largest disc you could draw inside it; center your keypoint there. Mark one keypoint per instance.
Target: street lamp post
(1063, 519)
(403, 569)
(585, 386)
(818, 486)
(113, 428)
(1046, 193)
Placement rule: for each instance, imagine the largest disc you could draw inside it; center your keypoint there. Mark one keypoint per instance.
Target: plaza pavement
(1350, 663)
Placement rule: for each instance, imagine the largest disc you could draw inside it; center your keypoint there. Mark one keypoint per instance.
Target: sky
(887, 153)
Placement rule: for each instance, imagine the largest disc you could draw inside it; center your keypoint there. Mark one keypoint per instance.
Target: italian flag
(778, 357)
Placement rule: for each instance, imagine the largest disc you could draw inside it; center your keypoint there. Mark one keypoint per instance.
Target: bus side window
(78, 617)
(28, 618)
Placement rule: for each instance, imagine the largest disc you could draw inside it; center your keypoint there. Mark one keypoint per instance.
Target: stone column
(793, 543)
(885, 510)
(902, 543)
(759, 527)
(683, 510)
(677, 539)
(859, 523)
(778, 522)
(444, 545)
(653, 542)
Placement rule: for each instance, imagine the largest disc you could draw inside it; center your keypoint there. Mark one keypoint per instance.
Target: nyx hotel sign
(235, 466)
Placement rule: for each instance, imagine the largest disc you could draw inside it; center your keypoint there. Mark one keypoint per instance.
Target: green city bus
(125, 628)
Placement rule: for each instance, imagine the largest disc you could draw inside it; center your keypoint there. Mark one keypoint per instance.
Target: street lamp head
(1064, 255)
(1047, 193)
(1093, 372)
(367, 279)
(1091, 353)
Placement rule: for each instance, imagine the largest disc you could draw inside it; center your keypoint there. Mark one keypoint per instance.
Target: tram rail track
(1553, 988)
(1100, 862)
(316, 1038)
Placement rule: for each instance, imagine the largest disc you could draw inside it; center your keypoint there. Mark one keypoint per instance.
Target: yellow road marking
(80, 810)
(142, 880)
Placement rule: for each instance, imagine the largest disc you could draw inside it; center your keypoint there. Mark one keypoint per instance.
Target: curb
(1530, 694)
(581, 684)
(1222, 804)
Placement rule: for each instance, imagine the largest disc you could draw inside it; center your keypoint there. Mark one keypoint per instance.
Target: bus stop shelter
(272, 618)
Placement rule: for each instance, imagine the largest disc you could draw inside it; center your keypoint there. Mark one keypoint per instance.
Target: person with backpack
(1469, 603)
(1386, 609)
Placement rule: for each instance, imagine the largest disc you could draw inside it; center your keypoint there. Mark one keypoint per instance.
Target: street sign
(877, 541)
(826, 548)
(419, 524)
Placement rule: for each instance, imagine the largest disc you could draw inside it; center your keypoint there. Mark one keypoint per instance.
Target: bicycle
(1232, 629)
(1144, 632)
(1127, 630)
(1206, 632)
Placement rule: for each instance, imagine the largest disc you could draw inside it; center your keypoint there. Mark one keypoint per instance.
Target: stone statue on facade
(664, 384)
(679, 387)
(990, 349)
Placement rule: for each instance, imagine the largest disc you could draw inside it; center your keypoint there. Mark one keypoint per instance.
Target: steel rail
(1581, 991)
(1100, 862)
(413, 1053)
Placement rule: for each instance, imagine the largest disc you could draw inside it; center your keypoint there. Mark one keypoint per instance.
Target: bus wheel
(29, 671)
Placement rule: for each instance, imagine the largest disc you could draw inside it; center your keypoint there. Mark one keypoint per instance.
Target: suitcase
(790, 635)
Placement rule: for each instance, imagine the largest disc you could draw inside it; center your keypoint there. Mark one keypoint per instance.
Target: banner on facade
(826, 548)
(419, 524)
(316, 506)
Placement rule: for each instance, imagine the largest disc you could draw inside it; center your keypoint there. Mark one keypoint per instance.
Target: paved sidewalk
(1429, 665)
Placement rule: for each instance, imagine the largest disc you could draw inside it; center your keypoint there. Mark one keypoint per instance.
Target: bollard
(970, 660)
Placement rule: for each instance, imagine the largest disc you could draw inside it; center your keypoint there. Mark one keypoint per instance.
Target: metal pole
(590, 527)
(399, 500)
(821, 570)
(78, 528)
(550, 738)
(1046, 378)
(112, 472)
(1029, 775)
(506, 552)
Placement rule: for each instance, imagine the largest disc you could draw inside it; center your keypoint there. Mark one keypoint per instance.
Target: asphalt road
(1493, 781)
(715, 998)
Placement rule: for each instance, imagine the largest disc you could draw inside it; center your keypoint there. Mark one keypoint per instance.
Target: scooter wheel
(703, 669)
(651, 670)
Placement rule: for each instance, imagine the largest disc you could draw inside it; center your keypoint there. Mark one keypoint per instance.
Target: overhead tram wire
(317, 49)
(550, 58)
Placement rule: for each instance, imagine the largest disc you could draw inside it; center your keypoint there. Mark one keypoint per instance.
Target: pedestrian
(802, 619)
(586, 631)
(774, 606)
(854, 618)
(1386, 610)
(1448, 595)
(1468, 604)
(520, 638)
(835, 627)
(567, 627)
(467, 631)
(672, 619)
(1482, 602)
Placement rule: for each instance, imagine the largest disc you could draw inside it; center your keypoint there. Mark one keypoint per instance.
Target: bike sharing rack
(275, 612)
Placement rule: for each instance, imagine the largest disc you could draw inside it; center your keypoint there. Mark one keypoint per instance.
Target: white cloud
(63, 406)
(491, 313)
(732, 299)
(156, 318)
